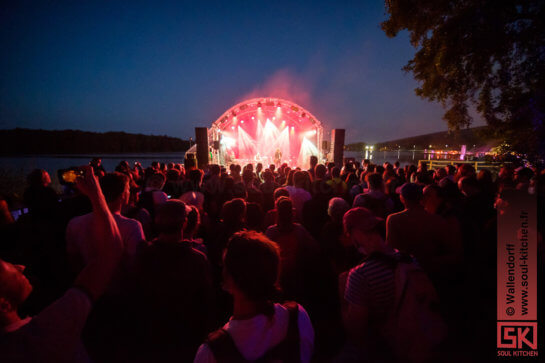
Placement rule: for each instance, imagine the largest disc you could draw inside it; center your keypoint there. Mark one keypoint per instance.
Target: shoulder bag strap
(223, 347)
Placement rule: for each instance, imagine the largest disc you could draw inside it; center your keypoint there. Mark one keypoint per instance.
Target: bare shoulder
(395, 216)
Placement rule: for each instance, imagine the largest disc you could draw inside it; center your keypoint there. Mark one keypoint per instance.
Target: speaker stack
(337, 146)
(201, 136)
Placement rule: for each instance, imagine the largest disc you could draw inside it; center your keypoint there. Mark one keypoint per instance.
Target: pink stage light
(228, 142)
(270, 136)
(269, 125)
(246, 145)
(259, 131)
(307, 149)
(283, 143)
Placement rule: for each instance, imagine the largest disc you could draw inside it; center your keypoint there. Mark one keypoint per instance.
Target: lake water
(16, 167)
(52, 163)
(22, 165)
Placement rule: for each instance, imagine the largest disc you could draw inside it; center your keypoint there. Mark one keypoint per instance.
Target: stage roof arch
(250, 106)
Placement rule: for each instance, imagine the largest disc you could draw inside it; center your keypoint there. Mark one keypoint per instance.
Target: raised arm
(107, 245)
(54, 334)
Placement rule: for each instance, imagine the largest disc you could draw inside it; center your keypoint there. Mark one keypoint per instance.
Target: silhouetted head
(337, 208)
(173, 175)
(170, 217)
(411, 194)
(374, 180)
(233, 212)
(215, 170)
(464, 170)
(301, 179)
(38, 178)
(281, 192)
(156, 181)
(320, 171)
(469, 186)
(284, 210)
(432, 198)
(268, 176)
(365, 230)
(193, 221)
(248, 176)
(251, 265)
(115, 186)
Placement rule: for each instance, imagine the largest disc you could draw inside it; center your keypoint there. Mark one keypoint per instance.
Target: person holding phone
(53, 335)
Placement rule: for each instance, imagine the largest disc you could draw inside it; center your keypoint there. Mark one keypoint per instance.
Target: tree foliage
(486, 54)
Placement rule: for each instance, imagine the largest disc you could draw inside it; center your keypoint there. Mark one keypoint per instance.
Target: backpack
(223, 347)
(416, 328)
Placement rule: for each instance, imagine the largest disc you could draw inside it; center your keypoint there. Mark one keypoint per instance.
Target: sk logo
(517, 335)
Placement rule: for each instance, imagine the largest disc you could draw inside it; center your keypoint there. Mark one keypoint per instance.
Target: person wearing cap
(416, 232)
(369, 294)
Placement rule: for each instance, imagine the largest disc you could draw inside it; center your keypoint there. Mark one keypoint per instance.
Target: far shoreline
(102, 155)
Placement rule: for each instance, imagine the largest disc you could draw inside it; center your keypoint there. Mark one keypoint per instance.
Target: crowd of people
(359, 263)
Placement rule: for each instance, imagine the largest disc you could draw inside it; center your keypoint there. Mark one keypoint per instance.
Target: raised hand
(88, 184)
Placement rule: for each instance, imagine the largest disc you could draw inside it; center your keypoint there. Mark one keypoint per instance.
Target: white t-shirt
(254, 337)
(79, 233)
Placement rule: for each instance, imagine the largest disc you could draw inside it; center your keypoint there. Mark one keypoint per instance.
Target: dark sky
(159, 67)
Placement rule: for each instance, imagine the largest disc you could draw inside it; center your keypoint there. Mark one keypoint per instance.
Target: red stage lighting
(263, 136)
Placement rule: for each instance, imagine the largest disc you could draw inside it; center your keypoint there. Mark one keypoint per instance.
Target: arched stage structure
(267, 130)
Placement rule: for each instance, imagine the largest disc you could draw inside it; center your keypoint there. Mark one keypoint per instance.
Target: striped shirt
(372, 284)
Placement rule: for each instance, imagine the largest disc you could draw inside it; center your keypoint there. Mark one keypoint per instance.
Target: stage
(267, 131)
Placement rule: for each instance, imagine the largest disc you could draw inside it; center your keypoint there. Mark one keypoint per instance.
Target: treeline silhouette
(27, 141)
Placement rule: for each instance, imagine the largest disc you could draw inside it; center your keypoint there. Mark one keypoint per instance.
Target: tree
(487, 54)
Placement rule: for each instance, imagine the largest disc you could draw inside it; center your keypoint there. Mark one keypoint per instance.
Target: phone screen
(70, 176)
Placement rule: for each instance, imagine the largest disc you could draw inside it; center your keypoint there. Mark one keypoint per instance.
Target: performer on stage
(278, 157)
